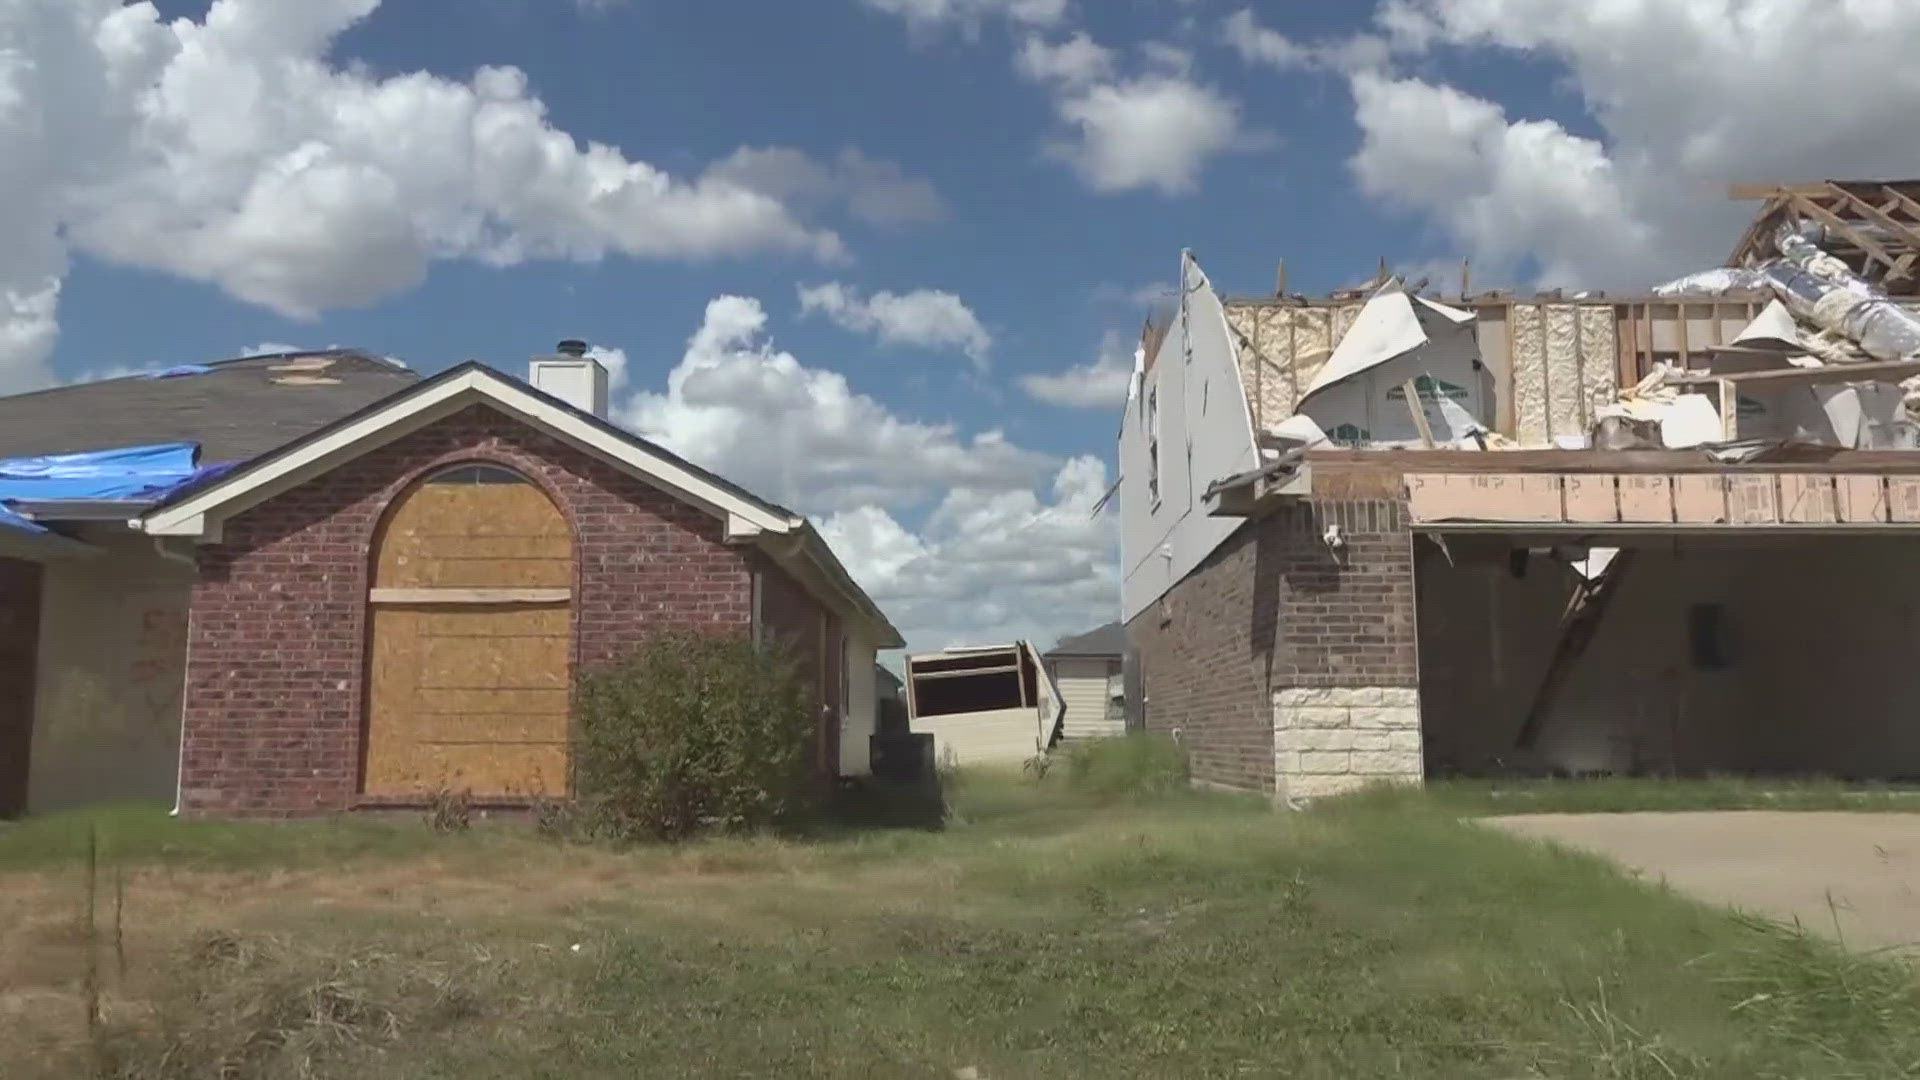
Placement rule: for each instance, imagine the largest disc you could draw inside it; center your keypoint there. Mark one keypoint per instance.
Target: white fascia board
(200, 515)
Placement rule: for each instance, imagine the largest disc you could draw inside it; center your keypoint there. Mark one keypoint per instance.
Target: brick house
(1310, 616)
(389, 601)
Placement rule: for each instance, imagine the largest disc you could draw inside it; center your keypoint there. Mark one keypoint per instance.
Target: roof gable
(199, 513)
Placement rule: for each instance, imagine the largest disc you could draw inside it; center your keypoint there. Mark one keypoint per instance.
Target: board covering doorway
(471, 640)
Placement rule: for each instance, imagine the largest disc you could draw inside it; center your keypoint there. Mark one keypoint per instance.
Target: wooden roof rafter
(1873, 225)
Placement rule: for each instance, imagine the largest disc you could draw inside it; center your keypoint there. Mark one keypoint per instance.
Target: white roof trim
(201, 514)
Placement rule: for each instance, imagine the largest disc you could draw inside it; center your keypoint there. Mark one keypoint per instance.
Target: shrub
(1127, 765)
(694, 731)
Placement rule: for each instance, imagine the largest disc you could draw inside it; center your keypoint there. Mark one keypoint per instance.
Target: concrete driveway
(1782, 865)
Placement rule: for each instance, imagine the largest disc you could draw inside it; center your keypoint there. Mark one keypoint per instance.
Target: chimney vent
(572, 376)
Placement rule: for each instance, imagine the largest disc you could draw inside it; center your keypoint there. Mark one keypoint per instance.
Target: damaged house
(305, 583)
(1386, 536)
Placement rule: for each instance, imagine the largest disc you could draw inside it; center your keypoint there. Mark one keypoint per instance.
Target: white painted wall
(1205, 434)
(106, 724)
(859, 723)
(1083, 685)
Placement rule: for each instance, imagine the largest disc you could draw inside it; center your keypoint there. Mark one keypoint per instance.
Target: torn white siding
(1083, 686)
(1205, 434)
(113, 636)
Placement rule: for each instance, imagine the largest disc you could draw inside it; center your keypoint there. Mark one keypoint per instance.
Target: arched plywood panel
(468, 680)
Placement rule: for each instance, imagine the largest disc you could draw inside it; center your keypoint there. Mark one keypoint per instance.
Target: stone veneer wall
(1330, 739)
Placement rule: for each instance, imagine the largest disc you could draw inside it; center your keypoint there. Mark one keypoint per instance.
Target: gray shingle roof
(1108, 640)
(237, 411)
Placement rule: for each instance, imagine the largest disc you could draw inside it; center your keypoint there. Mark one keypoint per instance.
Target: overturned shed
(996, 703)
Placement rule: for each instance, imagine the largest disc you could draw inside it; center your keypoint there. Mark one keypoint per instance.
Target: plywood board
(1484, 497)
(1808, 499)
(1646, 498)
(1863, 499)
(1753, 500)
(1591, 497)
(469, 665)
(475, 536)
(1699, 499)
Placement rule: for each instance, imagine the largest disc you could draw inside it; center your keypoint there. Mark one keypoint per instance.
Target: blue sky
(995, 186)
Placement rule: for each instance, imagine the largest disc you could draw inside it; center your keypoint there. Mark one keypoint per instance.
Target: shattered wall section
(1599, 357)
(1564, 361)
(1280, 347)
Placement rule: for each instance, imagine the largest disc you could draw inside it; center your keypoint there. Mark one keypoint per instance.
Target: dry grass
(1051, 934)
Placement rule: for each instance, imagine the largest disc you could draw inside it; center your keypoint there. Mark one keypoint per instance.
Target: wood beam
(1872, 371)
(1834, 221)
(1756, 192)
(1902, 229)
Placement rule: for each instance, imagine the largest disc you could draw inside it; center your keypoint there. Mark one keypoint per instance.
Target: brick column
(1346, 704)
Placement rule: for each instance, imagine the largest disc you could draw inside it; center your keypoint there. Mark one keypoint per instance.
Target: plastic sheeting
(1716, 282)
(133, 473)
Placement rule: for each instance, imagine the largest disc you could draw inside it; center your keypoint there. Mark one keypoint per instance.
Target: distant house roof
(1108, 640)
(236, 410)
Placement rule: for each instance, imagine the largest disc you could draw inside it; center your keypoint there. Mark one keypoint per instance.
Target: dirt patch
(1854, 877)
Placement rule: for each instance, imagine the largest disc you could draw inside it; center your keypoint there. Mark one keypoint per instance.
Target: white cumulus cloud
(923, 318)
(1687, 96)
(1006, 545)
(235, 151)
(1098, 384)
(876, 192)
(1154, 130)
(926, 15)
(802, 435)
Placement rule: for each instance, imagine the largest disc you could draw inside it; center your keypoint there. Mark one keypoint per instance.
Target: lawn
(1046, 932)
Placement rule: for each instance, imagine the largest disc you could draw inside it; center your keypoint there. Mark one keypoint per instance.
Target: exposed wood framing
(1578, 622)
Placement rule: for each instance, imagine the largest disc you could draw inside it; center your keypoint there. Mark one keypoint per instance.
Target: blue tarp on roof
(132, 473)
(129, 473)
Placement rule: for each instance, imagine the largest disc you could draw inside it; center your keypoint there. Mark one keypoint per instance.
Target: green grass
(1049, 931)
(140, 834)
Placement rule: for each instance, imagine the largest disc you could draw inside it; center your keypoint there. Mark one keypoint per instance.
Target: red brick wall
(19, 652)
(276, 653)
(792, 620)
(1270, 608)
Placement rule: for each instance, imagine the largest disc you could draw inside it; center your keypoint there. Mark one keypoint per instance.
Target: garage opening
(1790, 655)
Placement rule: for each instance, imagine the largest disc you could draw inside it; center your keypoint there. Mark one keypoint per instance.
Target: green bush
(693, 731)
(1128, 765)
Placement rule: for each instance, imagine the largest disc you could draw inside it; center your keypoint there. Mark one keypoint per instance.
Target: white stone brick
(1385, 763)
(1316, 716)
(1367, 697)
(1325, 761)
(1387, 718)
(1404, 740)
(1320, 739)
(1372, 740)
(1400, 697)
(1317, 787)
(1308, 695)
(1286, 762)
